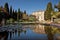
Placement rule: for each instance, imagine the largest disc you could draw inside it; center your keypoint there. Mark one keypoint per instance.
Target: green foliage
(32, 18)
(58, 6)
(11, 11)
(48, 11)
(1, 6)
(19, 10)
(25, 11)
(58, 15)
(6, 6)
(14, 14)
(19, 14)
(24, 16)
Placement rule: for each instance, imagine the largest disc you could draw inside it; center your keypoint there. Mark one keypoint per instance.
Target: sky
(29, 5)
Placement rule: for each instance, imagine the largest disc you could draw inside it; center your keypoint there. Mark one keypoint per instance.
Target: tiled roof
(3, 10)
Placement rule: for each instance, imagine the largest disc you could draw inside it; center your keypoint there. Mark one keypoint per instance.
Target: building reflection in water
(50, 31)
(4, 35)
(39, 29)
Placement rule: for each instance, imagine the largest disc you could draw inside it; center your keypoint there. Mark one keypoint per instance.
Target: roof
(4, 10)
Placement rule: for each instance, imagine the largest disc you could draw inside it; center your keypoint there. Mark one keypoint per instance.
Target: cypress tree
(11, 11)
(6, 6)
(48, 11)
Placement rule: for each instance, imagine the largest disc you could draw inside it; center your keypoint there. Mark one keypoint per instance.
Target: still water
(32, 32)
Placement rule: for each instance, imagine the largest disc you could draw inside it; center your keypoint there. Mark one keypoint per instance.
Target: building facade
(39, 15)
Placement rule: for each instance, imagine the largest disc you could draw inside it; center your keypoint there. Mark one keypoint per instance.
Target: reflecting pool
(32, 32)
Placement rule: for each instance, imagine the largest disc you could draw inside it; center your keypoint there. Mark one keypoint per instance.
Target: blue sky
(28, 5)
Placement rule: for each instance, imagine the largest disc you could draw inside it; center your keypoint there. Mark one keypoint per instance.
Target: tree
(58, 15)
(21, 14)
(58, 6)
(18, 14)
(1, 6)
(11, 11)
(19, 10)
(6, 7)
(48, 11)
(25, 11)
(24, 16)
(15, 14)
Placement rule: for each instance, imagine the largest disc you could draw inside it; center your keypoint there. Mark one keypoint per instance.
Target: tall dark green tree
(48, 11)
(11, 11)
(25, 11)
(19, 13)
(15, 14)
(19, 10)
(6, 6)
(1, 6)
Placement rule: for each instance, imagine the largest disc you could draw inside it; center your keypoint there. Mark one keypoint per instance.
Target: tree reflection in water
(20, 31)
(51, 32)
(17, 33)
(36, 30)
(48, 30)
(10, 35)
(4, 35)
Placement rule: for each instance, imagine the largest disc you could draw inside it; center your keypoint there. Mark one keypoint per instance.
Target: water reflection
(39, 29)
(49, 33)
(4, 35)
(29, 32)
(52, 32)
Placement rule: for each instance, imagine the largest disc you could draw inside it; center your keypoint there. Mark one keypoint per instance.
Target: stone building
(39, 15)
